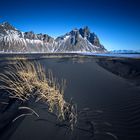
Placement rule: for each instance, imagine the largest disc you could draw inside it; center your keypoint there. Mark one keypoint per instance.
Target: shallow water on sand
(106, 91)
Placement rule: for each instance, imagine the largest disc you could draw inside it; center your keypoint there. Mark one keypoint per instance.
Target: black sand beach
(107, 94)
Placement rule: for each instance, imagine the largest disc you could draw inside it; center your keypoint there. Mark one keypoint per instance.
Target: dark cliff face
(75, 37)
(43, 37)
(91, 37)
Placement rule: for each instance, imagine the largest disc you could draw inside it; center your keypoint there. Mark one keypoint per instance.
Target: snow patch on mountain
(78, 40)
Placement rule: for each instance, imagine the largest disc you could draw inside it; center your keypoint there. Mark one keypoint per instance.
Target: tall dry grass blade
(25, 79)
(22, 115)
(30, 109)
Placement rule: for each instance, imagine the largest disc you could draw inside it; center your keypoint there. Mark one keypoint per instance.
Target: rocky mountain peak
(85, 32)
(79, 40)
(7, 26)
(91, 37)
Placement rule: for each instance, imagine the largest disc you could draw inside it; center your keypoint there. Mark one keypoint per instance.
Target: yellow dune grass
(25, 79)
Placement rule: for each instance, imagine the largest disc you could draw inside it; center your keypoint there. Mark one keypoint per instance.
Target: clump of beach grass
(27, 79)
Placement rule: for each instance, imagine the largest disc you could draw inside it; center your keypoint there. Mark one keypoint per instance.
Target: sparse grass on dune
(25, 79)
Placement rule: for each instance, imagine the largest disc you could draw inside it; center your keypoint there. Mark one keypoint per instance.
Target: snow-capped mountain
(13, 40)
(79, 40)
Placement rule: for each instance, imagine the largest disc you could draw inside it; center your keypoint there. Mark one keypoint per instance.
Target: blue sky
(116, 22)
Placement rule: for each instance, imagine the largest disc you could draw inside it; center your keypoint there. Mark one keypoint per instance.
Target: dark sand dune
(108, 100)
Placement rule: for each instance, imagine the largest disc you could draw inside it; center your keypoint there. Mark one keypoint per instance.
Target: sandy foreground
(107, 94)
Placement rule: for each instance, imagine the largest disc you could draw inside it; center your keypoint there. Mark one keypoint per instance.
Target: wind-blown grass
(25, 79)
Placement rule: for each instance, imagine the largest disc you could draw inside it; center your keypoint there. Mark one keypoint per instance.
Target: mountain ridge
(77, 40)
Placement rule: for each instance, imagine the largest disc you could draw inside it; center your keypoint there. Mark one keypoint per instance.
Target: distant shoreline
(14, 56)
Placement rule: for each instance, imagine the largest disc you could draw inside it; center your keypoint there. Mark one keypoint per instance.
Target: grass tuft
(25, 79)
